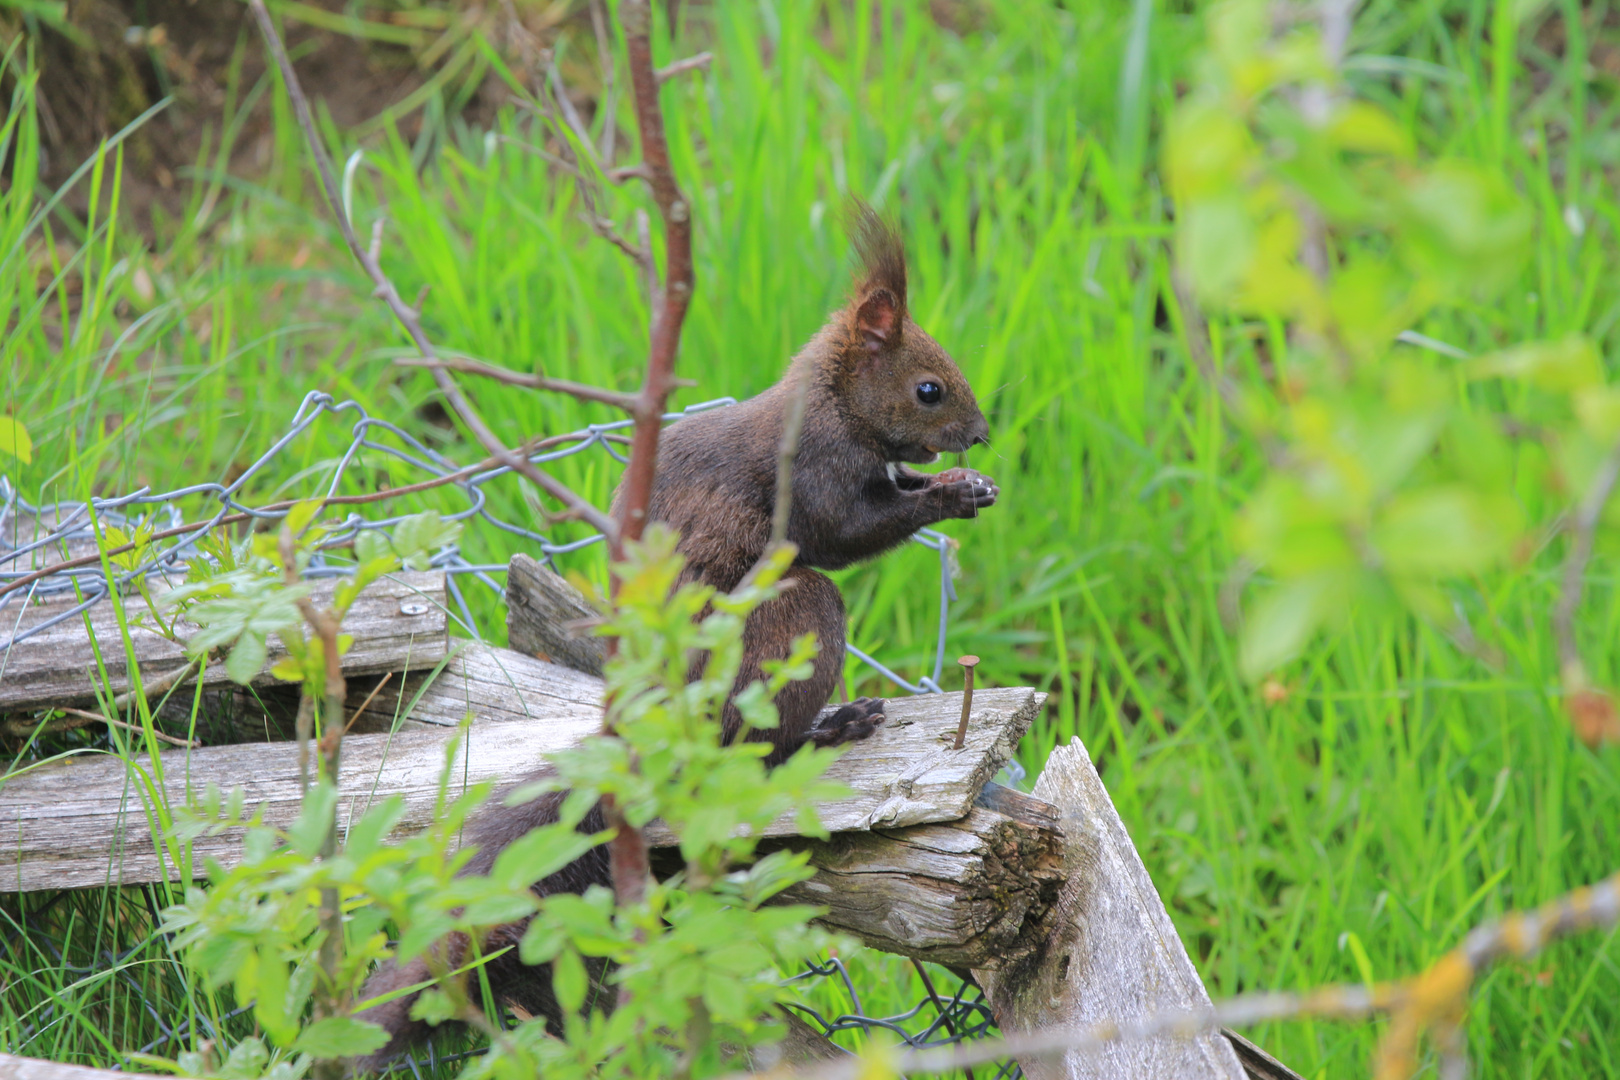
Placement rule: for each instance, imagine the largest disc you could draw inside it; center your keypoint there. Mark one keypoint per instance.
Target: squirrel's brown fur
(881, 393)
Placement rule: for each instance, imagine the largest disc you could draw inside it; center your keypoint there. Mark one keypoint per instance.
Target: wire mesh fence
(49, 551)
(57, 552)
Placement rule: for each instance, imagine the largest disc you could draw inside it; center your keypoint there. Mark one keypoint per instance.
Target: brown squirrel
(880, 394)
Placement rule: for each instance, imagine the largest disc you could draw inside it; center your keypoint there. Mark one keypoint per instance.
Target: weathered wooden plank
(26, 1068)
(1110, 951)
(970, 892)
(540, 606)
(397, 623)
(496, 685)
(83, 821)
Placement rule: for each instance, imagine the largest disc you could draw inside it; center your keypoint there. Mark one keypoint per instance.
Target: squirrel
(881, 395)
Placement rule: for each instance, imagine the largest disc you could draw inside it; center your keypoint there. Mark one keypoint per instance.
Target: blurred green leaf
(1286, 616)
(340, 1036)
(1445, 530)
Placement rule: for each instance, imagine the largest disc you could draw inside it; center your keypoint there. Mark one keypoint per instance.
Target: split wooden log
(1109, 950)
(93, 820)
(397, 623)
(970, 892)
(541, 609)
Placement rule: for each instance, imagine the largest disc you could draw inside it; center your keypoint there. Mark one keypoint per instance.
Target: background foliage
(1346, 817)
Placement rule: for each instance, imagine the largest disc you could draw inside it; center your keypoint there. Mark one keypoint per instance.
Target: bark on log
(90, 820)
(1109, 951)
(540, 606)
(398, 622)
(970, 892)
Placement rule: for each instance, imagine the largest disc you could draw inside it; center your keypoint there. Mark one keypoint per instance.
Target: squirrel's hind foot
(848, 723)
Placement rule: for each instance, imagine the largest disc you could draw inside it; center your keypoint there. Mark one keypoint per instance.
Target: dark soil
(126, 55)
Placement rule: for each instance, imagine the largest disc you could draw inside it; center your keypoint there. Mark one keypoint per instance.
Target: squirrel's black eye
(929, 393)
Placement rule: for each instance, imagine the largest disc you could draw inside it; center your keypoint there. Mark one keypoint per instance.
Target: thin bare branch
(77, 718)
(627, 402)
(1591, 709)
(390, 295)
(681, 67)
(629, 172)
(1582, 535)
(1198, 342)
(570, 115)
(610, 83)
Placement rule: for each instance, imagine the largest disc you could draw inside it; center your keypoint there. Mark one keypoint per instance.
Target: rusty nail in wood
(967, 663)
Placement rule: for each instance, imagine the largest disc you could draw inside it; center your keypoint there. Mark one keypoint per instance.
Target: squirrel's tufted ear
(880, 304)
(877, 320)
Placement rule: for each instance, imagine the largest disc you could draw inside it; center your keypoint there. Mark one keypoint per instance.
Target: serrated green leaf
(537, 854)
(370, 545)
(246, 658)
(568, 980)
(270, 997)
(309, 829)
(433, 1006)
(340, 1036)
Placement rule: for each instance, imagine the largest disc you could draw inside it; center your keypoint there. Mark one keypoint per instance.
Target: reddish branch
(627, 851)
(670, 303)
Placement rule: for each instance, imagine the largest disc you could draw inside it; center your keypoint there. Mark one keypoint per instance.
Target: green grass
(1400, 792)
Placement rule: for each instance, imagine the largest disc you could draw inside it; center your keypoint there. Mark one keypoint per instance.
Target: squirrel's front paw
(847, 723)
(964, 492)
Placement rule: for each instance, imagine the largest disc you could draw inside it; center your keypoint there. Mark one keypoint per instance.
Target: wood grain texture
(398, 622)
(970, 892)
(85, 821)
(540, 606)
(1110, 951)
(26, 1068)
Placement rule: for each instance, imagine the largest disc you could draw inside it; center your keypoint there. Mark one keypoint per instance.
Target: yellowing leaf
(299, 517)
(14, 440)
(1366, 128)
(1598, 409)
(288, 669)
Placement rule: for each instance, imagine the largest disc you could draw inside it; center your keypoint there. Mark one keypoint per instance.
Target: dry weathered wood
(84, 821)
(1257, 1064)
(1110, 951)
(398, 622)
(25, 1068)
(969, 892)
(540, 606)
